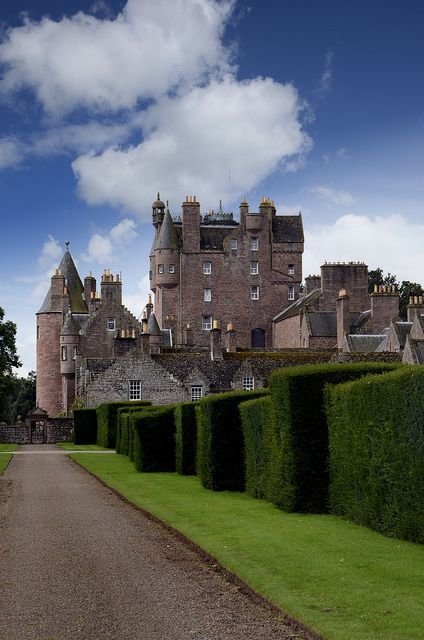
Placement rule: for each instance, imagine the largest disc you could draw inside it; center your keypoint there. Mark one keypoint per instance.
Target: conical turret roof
(74, 285)
(168, 238)
(152, 326)
(70, 327)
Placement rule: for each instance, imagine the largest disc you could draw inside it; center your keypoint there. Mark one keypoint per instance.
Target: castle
(221, 285)
(203, 270)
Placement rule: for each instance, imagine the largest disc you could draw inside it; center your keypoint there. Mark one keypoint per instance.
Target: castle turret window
(290, 295)
(254, 267)
(64, 353)
(160, 268)
(74, 353)
(171, 268)
(206, 323)
(111, 324)
(207, 267)
(254, 292)
(254, 244)
(207, 295)
(291, 270)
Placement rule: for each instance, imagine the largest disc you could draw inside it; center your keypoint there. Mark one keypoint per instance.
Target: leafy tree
(8, 361)
(377, 277)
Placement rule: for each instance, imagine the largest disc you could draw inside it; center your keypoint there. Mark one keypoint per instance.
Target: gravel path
(77, 562)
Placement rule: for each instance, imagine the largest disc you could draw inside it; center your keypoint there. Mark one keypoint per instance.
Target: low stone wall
(55, 430)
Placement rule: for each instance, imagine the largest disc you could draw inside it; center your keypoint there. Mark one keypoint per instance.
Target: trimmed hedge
(107, 419)
(298, 477)
(122, 426)
(376, 441)
(154, 441)
(186, 438)
(85, 426)
(256, 421)
(220, 447)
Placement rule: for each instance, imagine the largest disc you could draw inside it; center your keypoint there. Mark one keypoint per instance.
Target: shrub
(122, 426)
(186, 438)
(220, 448)
(85, 426)
(107, 419)
(376, 442)
(298, 479)
(256, 422)
(154, 442)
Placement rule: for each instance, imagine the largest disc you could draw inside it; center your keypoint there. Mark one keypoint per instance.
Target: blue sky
(318, 105)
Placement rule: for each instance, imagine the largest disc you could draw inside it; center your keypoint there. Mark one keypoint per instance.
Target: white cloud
(334, 196)
(150, 48)
(327, 75)
(101, 247)
(390, 242)
(191, 143)
(135, 295)
(11, 153)
(51, 254)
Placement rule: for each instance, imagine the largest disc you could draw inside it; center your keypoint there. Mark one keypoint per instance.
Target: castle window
(196, 393)
(290, 295)
(207, 267)
(206, 323)
(64, 353)
(254, 244)
(150, 275)
(254, 292)
(111, 324)
(134, 390)
(248, 383)
(171, 268)
(207, 295)
(160, 268)
(291, 269)
(233, 245)
(74, 353)
(254, 267)
(38, 331)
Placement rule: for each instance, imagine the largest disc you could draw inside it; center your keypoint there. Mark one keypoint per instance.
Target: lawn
(344, 581)
(5, 456)
(70, 446)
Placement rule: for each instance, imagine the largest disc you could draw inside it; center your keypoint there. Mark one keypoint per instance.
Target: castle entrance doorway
(258, 338)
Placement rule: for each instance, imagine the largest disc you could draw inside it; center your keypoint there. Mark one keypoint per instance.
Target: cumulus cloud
(334, 196)
(390, 242)
(11, 153)
(149, 49)
(249, 128)
(51, 254)
(102, 247)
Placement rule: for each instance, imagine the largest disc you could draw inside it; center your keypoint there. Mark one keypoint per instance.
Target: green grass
(5, 456)
(344, 581)
(70, 446)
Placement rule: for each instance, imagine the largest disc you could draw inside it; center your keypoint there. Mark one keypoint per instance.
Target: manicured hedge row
(154, 441)
(186, 438)
(123, 428)
(85, 426)
(257, 433)
(299, 479)
(220, 448)
(107, 419)
(376, 440)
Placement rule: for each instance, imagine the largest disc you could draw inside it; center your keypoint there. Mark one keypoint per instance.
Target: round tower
(69, 341)
(158, 212)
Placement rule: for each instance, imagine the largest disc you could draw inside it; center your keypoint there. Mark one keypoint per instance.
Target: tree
(8, 356)
(377, 277)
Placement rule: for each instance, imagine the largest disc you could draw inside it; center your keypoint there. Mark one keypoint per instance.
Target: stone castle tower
(210, 267)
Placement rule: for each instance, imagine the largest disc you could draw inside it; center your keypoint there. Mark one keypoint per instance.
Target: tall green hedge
(107, 419)
(376, 441)
(186, 438)
(85, 426)
(154, 441)
(299, 469)
(220, 447)
(257, 433)
(123, 428)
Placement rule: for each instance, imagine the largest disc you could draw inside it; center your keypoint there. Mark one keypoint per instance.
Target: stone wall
(55, 430)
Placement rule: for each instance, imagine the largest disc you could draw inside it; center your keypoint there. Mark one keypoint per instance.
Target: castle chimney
(384, 307)
(188, 340)
(230, 339)
(216, 342)
(415, 307)
(191, 224)
(343, 317)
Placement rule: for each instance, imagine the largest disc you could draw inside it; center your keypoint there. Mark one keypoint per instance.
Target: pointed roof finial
(67, 243)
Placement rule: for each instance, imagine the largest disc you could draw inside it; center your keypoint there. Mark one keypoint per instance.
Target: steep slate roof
(287, 228)
(152, 326)
(298, 305)
(70, 327)
(74, 285)
(213, 237)
(364, 343)
(168, 238)
(417, 349)
(322, 323)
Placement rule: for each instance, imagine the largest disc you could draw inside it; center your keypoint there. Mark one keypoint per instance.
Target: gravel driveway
(77, 562)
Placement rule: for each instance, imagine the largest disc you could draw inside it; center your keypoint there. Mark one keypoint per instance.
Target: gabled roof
(296, 307)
